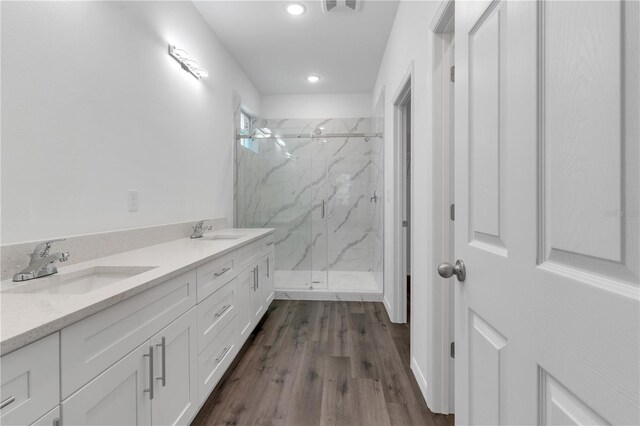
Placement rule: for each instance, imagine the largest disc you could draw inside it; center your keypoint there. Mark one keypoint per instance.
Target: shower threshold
(335, 285)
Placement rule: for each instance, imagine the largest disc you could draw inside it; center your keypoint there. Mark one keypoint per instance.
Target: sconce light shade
(187, 63)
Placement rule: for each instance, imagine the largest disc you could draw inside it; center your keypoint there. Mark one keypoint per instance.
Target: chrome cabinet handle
(150, 355)
(7, 401)
(217, 274)
(270, 244)
(163, 378)
(224, 309)
(447, 270)
(224, 352)
(257, 279)
(267, 267)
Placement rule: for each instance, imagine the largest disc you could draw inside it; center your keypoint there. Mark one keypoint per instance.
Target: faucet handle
(42, 249)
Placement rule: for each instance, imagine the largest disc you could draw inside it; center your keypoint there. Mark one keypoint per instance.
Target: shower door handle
(322, 217)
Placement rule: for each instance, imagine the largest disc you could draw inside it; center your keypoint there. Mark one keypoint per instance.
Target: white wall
(338, 105)
(411, 41)
(92, 106)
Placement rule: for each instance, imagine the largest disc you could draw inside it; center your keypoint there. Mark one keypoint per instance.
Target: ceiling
(278, 51)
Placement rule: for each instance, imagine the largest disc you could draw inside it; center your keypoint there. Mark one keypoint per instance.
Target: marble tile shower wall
(283, 187)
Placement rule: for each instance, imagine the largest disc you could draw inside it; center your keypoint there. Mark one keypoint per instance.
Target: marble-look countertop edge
(162, 273)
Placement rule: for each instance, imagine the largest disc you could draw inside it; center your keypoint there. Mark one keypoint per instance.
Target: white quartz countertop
(27, 317)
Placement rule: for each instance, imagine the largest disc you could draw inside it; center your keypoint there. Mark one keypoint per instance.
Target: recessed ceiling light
(313, 78)
(296, 9)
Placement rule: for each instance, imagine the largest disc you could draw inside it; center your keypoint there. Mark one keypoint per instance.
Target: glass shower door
(280, 192)
(319, 214)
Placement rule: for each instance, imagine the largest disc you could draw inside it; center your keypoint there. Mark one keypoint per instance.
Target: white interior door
(547, 191)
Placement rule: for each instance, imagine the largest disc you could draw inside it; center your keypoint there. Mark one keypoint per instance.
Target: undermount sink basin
(221, 237)
(79, 282)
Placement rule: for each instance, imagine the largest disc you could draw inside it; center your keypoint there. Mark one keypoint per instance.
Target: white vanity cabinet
(30, 382)
(155, 384)
(151, 359)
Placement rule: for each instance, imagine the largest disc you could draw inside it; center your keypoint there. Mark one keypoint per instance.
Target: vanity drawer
(216, 312)
(30, 381)
(215, 274)
(215, 359)
(94, 344)
(248, 255)
(267, 244)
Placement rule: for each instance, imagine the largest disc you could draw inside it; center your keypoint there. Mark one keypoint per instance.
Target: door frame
(402, 97)
(441, 395)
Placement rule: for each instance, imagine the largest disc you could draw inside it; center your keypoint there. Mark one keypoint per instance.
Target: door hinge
(453, 350)
(453, 74)
(404, 223)
(452, 212)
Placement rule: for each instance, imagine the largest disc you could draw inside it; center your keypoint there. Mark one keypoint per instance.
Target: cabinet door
(266, 279)
(119, 396)
(175, 372)
(257, 300)
(244, 315)
(30, 381)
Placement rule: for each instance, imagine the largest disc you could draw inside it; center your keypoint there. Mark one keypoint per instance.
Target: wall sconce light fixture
(187, 63)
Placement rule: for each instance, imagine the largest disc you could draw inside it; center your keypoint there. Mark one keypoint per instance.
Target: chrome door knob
(447, 270)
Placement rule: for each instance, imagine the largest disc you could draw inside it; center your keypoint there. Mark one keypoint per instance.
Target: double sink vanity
(140, 337)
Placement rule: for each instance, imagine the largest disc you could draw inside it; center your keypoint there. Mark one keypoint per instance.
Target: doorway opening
(403, 185)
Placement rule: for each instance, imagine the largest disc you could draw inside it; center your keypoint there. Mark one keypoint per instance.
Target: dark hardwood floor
(321, 363)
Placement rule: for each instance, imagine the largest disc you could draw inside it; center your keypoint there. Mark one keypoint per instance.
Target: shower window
(245, 129)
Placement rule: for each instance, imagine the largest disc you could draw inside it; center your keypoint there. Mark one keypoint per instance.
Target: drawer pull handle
(223, 311)
(7, 402)
(150, 355)
(270, 244)
(163, 378)
(217, 274)
(224, 352)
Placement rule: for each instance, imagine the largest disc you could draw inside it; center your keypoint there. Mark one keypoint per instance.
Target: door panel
(487, 355)
(486, 160)
(547, 199)
(588, 169)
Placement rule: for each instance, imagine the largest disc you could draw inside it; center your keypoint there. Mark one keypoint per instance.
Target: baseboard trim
(422, 382)
(387, 306)
(344, 296)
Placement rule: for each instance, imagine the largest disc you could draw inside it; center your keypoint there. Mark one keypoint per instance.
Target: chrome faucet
(199, 230)
(41, 263)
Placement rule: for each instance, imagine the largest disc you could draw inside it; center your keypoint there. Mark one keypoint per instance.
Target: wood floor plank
(339, 400)
(372, 409)
(339, 342)
(306, 396)
(321, 363)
